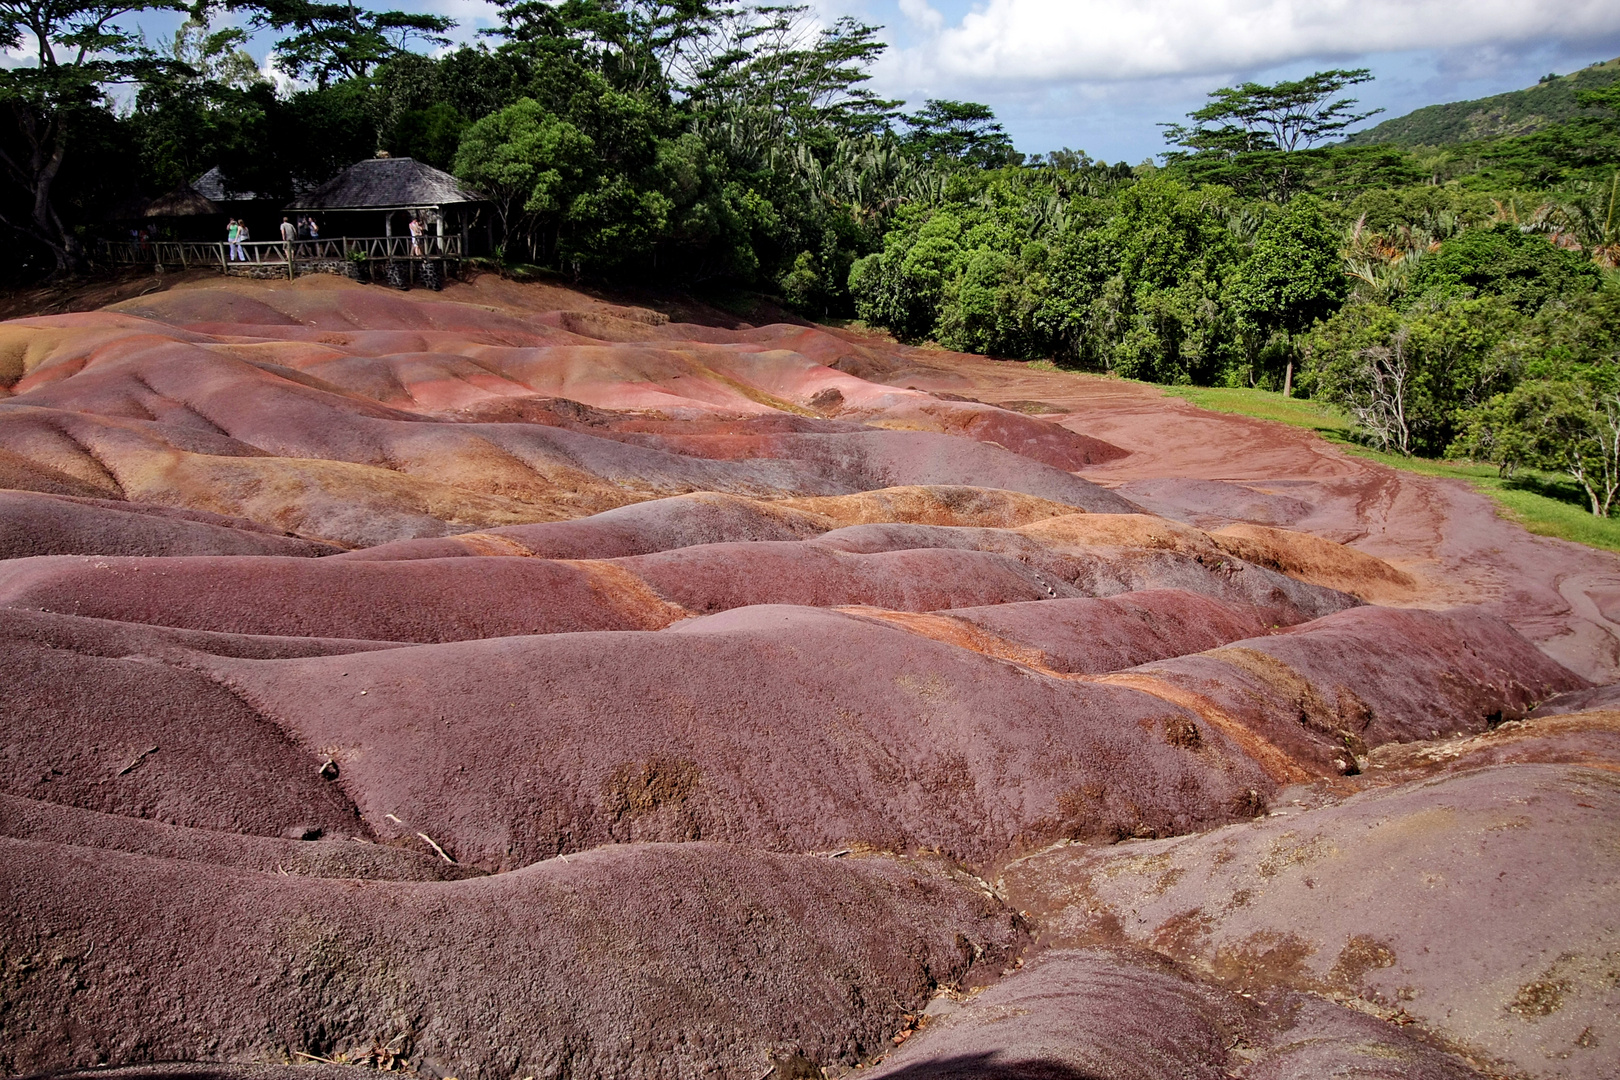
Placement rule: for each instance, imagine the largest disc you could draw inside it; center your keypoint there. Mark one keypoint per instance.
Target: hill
(1518, 112)
(503, 682)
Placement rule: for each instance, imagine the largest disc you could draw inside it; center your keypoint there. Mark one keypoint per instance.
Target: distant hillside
(1517, 113)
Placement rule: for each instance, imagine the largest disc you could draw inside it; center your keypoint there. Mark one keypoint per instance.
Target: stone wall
(256, 270)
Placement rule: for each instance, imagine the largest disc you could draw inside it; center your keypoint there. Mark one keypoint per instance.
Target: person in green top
(233, 236)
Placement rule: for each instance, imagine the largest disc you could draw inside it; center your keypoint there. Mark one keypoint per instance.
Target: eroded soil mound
(510, 684)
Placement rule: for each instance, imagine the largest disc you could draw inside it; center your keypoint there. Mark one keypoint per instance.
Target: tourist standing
(416, 236)
(233, 237)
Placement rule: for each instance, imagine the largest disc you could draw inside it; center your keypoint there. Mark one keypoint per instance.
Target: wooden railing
(189, 253)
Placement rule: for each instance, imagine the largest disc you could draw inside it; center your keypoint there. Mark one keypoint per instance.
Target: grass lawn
(1545, 503)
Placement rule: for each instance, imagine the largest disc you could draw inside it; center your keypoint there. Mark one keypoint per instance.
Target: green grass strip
(1546, 504)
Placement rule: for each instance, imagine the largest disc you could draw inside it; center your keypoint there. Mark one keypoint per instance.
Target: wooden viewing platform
(317, 255)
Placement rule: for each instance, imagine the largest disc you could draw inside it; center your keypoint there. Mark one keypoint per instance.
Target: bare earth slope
(511, 684)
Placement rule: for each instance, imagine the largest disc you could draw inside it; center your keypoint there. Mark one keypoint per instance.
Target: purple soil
(1082, 1014)
(36, 524)
(208, 1070)
(1584, 738)
(18, 473)
(1073, 1015)
(1211, 503)
(149, 740)
(315, 856)
(872, 735)
(106, 638)
(440, 599)
(1108, 570)
(638, 529)
(179, 389)
(1596, 697)
(718, 577)
(1326, 691)
(1001, 677)
(1089, 637)
(1479, 905)
(625, 962)
(428, 599)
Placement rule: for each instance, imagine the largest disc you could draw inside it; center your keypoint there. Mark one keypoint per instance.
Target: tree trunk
(47, 146)
(1288, 380)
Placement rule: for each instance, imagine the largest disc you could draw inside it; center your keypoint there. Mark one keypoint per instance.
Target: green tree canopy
(1569, 425)
(959, 131)
(1293, 275)
(331, 41)
(79, 47)
(1248, 136)
(1523, 268)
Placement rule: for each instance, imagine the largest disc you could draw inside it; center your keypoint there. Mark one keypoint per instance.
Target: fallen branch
(142, 756)
(435, 847)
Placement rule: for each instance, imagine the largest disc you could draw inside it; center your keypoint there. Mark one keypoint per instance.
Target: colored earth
(509, 683)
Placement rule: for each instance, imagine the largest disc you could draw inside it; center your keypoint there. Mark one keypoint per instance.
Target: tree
(1140, 293)
(766, 75)
(333, 41)
(1286, 116)
(641, 46)
(77, 49)
(1407, 378)
(1379, 392)
(1292, 278)
(960, 131)
(1246, 125)
(1568, 425)
(526, 159)
(215, 57)
(1521, 267)
(1293, 275)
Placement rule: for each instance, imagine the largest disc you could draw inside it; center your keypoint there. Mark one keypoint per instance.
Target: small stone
(301, 832)
(329, 770)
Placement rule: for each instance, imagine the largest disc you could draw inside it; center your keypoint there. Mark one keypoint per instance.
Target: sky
(1099, 75)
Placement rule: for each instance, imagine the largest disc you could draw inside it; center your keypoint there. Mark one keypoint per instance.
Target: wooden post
(1288, 380)
(224, 265)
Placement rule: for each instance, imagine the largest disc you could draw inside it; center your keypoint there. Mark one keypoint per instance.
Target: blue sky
(1097, 75)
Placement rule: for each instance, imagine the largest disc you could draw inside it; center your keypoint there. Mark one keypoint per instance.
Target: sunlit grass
(1544, 503)
(1264, 405)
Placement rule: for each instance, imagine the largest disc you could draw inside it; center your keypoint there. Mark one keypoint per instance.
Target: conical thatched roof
(387, 184)
(183, 201)
(215, 186)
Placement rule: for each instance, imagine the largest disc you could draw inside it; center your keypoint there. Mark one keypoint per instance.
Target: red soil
(511, 684)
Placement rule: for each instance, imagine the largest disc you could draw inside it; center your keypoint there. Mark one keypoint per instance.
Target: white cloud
(25, 55)
(1013, 41)
(285, 84)
(920, 13)
(470, 15)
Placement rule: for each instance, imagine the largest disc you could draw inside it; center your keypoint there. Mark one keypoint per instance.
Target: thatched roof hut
(215, 186)
(380, 196)
(183, 201)
(388, 183)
